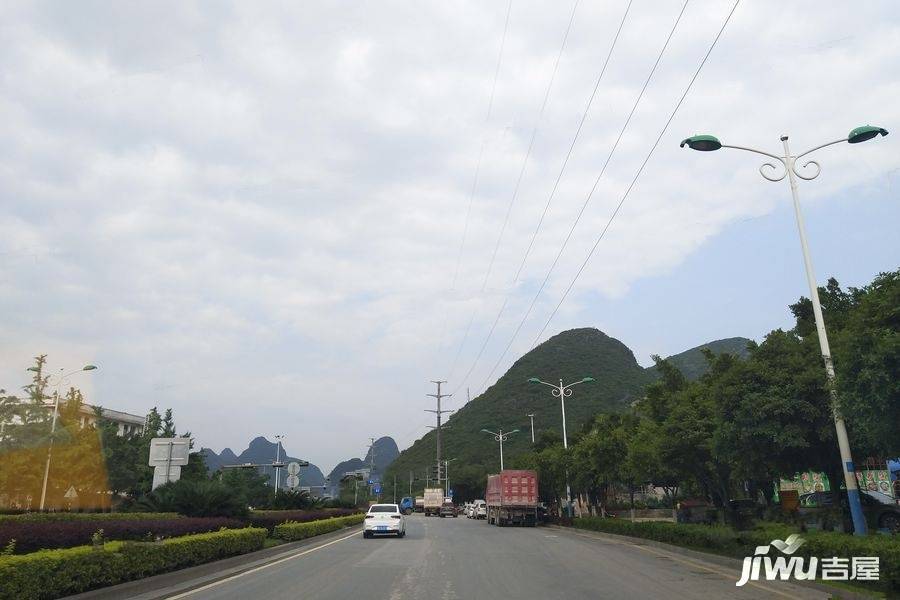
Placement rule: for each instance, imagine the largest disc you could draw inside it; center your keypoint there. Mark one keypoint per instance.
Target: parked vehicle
(447, 509)
(479, 509)
(467, 509)
(434, 499)
(512, 498)
(878, 514)
(419, 505)
(406, 505)
(384, 519)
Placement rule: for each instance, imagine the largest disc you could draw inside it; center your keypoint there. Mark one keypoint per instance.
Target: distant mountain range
(262, 451)
(571, 355)
(385, 450)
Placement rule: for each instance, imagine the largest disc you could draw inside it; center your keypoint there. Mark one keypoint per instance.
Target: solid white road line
(260, 568)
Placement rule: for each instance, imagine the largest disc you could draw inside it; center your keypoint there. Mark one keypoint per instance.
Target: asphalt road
(445, 559)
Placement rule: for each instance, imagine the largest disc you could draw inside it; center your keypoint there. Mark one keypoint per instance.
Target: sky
(279, 218)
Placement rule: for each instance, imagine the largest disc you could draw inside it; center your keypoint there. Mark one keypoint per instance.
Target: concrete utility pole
(277, 462)
(531, 416)
(438, 414)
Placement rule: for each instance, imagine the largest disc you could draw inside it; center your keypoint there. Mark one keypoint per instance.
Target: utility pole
(277, 466)
(531, 416)
(438, 414)
(371, 462)
(410, 483)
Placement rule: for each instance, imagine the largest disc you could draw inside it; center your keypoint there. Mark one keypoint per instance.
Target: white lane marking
(260, 568)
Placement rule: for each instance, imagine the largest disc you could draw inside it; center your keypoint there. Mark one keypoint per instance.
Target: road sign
(293, 468)
(71, 494)
(160, 476)
(377, 489)
(450, 493)
(292, 481)
(169, 451)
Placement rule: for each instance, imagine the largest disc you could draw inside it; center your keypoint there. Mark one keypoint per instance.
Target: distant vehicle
(512, 498)
(467, 509)
(384, 519)
(434, 499)
(419, 505)
(406, 505)
(479, 509)
(447, 509)
(878, 514)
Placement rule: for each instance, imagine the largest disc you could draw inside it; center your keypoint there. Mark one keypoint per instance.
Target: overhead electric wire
(553, 190)
(478, 164)
(628, 189)
(637, 175)
(589, 196)
(515, 193)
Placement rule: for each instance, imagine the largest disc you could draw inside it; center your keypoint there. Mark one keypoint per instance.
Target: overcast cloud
(252, 212)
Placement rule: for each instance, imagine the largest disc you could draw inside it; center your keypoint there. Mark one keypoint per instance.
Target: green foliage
(56, 573)
(293, 531)
(195, 499)
(67, 516)
(738, 544)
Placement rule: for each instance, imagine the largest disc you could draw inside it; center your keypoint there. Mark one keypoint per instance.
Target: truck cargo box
(512, 498)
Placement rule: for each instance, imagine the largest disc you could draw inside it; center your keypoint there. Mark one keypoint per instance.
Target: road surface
(446, 559)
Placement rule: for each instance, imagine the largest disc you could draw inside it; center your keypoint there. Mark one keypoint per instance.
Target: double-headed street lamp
(562, 392)
(786, 166)
(501, 437)
(59, 380)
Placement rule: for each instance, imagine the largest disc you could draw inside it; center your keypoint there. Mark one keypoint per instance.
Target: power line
(586, 201)
(638, 174)
(462, 242)
(515, 194)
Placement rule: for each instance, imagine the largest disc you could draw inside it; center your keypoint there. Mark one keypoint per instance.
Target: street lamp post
(788, 164)
(61, 377)
(447, 462)
(562, 392)
(531, 417)
(501, 437)
(277, 463)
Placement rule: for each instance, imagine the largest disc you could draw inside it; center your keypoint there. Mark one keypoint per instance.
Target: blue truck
(407, 505)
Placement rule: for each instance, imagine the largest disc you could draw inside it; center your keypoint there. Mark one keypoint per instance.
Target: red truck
(512, 498)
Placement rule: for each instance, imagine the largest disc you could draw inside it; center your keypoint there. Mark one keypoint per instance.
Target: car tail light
(395, 516)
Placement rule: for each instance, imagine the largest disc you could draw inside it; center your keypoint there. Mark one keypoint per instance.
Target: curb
(168, 584)
(723, 561)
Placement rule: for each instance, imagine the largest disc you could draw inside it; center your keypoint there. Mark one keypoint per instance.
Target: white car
(384, 519)
(480, 509)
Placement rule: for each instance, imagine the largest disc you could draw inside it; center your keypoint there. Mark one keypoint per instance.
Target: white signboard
(293, 468)
(71, 494)
(160, 478)
(292, 481)
(169, 451)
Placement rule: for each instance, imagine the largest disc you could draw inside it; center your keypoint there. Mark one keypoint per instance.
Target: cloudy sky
(281, 217)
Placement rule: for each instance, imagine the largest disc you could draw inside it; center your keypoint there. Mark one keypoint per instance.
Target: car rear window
(383, 508)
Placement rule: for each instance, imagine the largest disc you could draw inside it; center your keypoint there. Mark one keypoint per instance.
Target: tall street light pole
(501, 437)
(787, 167)
(447, 462)
(61, 377)
(531, 417)
(277, 463)
(562, 392)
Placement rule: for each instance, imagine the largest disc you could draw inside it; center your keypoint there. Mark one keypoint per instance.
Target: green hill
(693, 364)
(570, 355)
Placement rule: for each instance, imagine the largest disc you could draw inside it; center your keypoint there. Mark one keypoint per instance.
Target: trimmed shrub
(55, 573)
(291, 531)
(48, 534)
(203, 498)
(738, 544)
(270, 518)
(73, 516)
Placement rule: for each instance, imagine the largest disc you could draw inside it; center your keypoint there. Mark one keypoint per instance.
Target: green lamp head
(704, 143)
(865, 133)
(533, 380)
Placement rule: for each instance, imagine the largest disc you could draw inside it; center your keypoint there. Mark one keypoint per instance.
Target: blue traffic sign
(377, 489)
(450, 492)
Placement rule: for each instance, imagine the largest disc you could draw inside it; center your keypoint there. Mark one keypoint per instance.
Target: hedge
(270, 518)
(48, 534)
(300, 531)
(54, 573)
(738, 544)
(69, 516)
